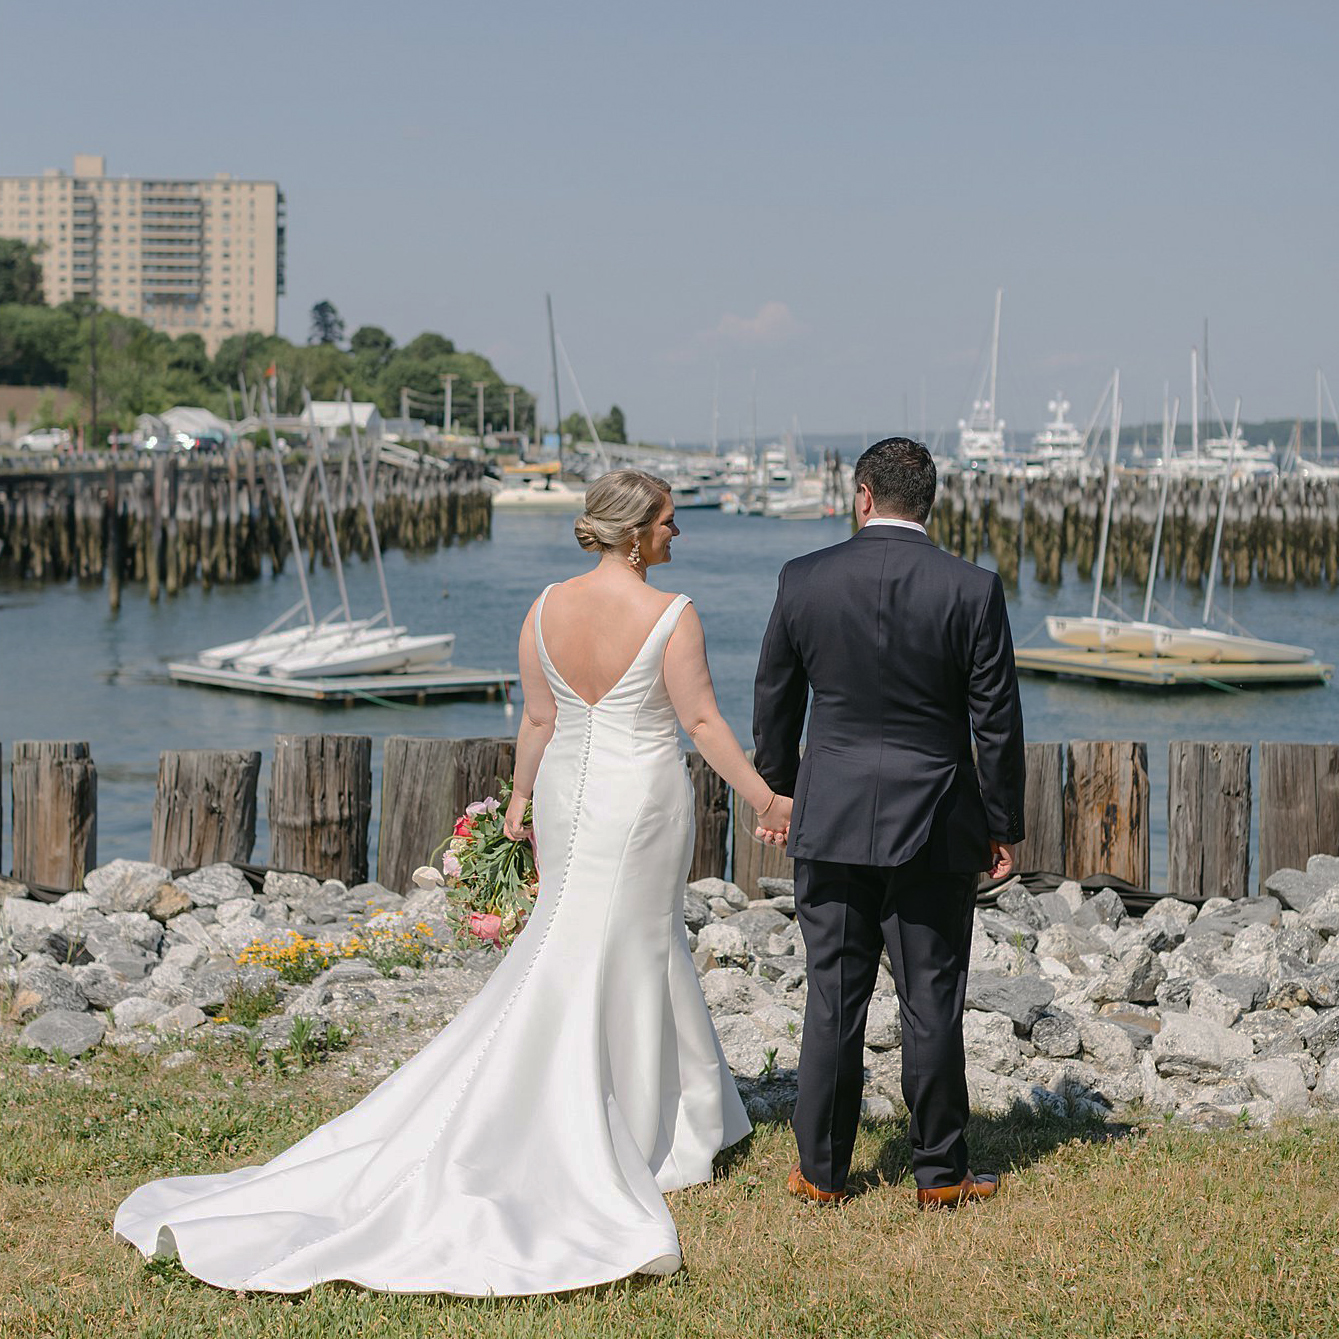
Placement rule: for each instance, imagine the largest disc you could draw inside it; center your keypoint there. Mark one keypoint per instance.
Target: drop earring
(635, 557)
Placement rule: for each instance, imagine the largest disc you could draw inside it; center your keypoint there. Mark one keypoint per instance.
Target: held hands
(774, 821)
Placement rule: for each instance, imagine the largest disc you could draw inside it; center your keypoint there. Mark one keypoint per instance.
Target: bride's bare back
(594, 627)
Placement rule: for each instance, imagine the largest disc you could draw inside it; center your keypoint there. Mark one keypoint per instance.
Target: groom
(907, 653)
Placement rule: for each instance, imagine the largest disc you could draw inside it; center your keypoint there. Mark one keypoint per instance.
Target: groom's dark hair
(900, 475)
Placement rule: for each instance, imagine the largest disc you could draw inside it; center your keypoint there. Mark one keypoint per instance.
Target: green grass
(1102, 1231)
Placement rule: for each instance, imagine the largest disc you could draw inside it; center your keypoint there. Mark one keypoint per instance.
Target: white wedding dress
(526, 1148)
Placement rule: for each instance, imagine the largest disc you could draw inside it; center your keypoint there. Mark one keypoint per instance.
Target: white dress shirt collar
(893, 520)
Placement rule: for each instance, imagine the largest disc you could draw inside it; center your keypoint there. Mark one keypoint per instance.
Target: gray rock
(289, 888)
(235, 909)
(729, 893)
(1057, 909)
(1107, 1044)
(373, 894)
(1280, 1081)
(1140, 1025)
(1325, 868)
(1322, 916)
(1103, 908)
(779, 1020)
(102, 987)
(696, 912)
(209, 988)
(138, 1011)
(726, 944)
(126, 885)
(1299, 941)
(128, 962)
(1004, 929)
(1296, 888)
(179, 1059)
(189, 957)
(786, 887)
(346, 971)
(989, 1041)
(1069, 945)
(1056, 1034)
(1207, 1001)
(53, 988)
(757, 926)
(64, 1030)
(1193, 1047)
(1017, 902)
(30, 924)
(883, 1024)
(1273, 1032)
(137, 928)
(1174, 910)
(744, 1043)
(1230, 920)
(1321, 1034)
(1072, 891)
(1249, 992)
(1021, 998)
(180, 1019)
(729, 990)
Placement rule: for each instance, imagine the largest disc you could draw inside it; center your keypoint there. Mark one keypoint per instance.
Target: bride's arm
(535, 730)
(688, 681)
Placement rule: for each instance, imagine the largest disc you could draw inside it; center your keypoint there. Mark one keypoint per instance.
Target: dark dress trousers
(907, 655)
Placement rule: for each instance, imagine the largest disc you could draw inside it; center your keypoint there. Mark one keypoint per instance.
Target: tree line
(141, 370)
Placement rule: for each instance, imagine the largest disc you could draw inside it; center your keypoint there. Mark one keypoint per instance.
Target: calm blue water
(69, 670)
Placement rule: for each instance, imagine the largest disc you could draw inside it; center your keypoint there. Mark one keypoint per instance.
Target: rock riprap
(1073, 1004)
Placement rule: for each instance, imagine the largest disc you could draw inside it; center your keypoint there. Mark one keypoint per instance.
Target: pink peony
(450, 865)
(488, 806)
(486, 926)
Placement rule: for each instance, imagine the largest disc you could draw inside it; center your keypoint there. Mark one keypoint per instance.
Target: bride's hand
(513, 823)
(774, 828)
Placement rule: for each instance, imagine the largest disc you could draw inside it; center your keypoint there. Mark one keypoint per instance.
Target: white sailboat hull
(1090, 634)
(278, 643)
(380, 655)
(1203, 644)
(558, 498)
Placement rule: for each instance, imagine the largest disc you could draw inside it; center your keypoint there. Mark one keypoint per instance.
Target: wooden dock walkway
(454, 681)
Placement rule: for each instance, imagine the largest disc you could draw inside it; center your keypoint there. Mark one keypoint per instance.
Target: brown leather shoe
(799, 1184)
(949, 1197)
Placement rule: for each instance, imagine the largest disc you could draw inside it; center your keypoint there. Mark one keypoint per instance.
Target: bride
(528, 1146)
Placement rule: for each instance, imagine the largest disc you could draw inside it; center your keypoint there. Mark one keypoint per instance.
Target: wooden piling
(1208, 820)
(1043, 810)
(1299, 805)
(1106, 810)
(204, 810)
(711, 818)
(320, 805)
(54, 792)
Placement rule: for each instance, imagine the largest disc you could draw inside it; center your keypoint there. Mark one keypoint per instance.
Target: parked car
(44, 439)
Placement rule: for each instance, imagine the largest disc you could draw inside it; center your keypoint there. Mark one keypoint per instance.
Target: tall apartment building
(202, 256)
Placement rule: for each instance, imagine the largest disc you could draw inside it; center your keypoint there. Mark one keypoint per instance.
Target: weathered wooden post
(711, 817)
(1044, 810)
(754, 860)
(1106, 810)
(1299, 805)
(1208, 820)
(425, 786)
(54, 791)
(320, 804)
(204, 810)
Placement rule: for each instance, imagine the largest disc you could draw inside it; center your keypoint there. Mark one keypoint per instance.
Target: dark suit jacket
(908, 654)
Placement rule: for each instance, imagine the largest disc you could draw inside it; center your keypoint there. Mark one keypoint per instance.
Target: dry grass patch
(1102, 1231)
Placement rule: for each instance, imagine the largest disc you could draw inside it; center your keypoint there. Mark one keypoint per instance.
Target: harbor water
(71, 670)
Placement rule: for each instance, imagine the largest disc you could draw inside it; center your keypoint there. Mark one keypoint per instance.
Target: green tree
(327, 324)
(371, 346)
(612, 427)
(20, 274)
(37, 344)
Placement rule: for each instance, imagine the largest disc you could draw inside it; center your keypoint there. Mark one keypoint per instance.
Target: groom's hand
(777, 829)
(1002, 859)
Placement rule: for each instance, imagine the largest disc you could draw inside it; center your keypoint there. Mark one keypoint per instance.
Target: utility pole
(447, 379)
(93, 336)
(557, 406)
(511, 409)
(480, 386)
(404, 408)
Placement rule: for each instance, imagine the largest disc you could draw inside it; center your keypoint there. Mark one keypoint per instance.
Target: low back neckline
(632, 664)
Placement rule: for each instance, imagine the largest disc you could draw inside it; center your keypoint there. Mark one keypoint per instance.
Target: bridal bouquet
(490, 881)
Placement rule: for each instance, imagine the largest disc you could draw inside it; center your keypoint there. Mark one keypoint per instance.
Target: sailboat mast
(1168, 436)
(318, 455)
(1194, 402)
(1110, 497)
(288, 508)
(995, 356)
(367, 505)
(1222, 515)
(1319, 420)
(553, 361)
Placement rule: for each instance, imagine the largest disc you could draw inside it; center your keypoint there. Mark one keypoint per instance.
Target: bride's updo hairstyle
(619, 507)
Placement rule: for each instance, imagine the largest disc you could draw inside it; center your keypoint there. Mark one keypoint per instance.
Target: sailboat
(981, 433)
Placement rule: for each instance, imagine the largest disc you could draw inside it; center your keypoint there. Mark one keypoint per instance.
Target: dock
(453, 681)
(1165, 671)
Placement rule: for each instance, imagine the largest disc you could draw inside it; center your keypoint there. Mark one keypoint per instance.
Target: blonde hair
(619, 506)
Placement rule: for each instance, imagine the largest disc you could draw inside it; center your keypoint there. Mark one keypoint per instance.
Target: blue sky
(825, 196)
